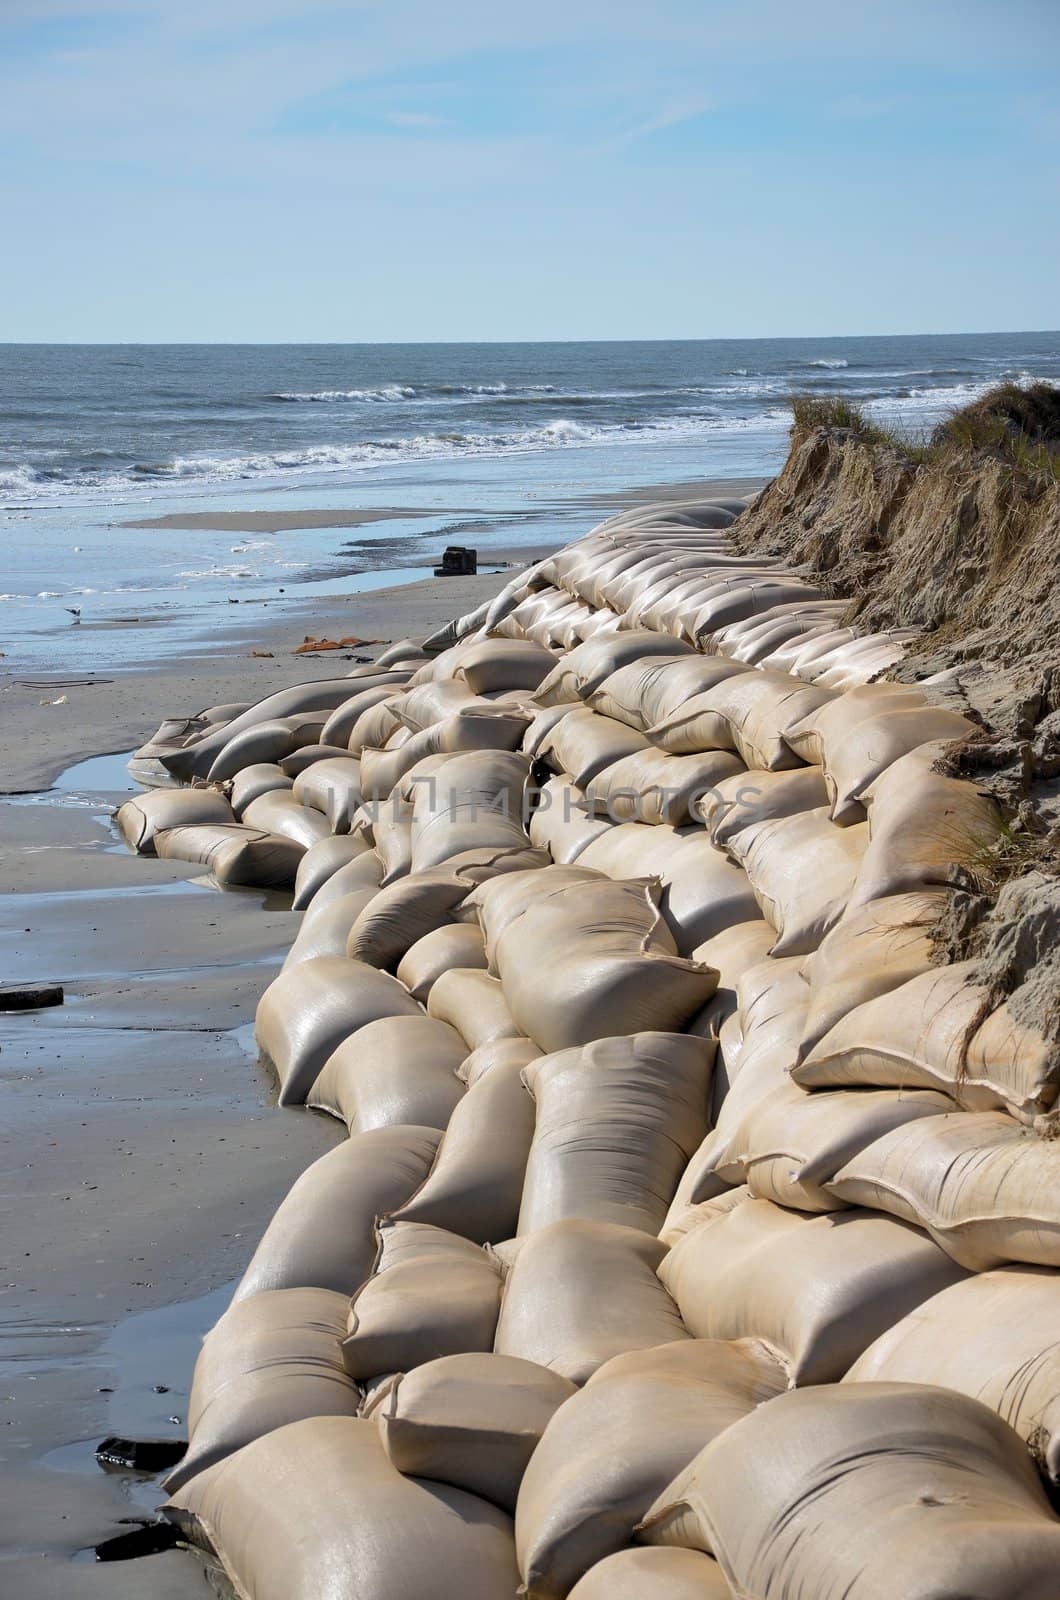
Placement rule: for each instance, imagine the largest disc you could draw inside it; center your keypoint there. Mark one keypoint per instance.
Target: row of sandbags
(650, 1123)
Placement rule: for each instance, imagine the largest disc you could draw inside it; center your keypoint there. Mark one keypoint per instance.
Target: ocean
(493, 445)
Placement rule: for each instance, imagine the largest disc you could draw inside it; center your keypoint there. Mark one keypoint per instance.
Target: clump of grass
(811, 411)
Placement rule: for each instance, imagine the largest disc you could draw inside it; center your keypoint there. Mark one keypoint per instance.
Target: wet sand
(275, 521)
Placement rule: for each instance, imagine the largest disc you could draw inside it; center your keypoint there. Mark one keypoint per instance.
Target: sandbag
(489, 861)
(470, 1420)
(476, 727)
(332, 786)
(802, 871)
(307, 1011)
(493, 665)
(235, 853)
(271, 1359)
(749, 712)
(981, 1185)
(868, 1491)
(344, 718)
(872, 950)
(581, 1292)
(861, 733)
(924, 829)
(702, 892)
(648, 690)
(751, 796)
(583, 743)
(937, 1032)
(311, 755)
(402, 913)
(612, 1449)
(279, 812)
(265, 743)
(617, 1121)
(561, 821)
(583, 670)
(498, 903)
(439, 1298)
(428, 702)
(992, 1336)
(374, 725)
(476, 1184)
(654, 1574)
(361, 871)
(791, 1145)
(145, 815)
(474, 1004)
(396, 1070)
(316, 1509)
(452, 945)
(392, 832)
(325, 930)
(816, 1290)
(321, 861)
(474, 802)
(261, 778)
(653, 787)
(366, 1176)
(299, 700)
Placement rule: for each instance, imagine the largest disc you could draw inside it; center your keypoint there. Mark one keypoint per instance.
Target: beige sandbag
(756, 795)
(654, 1574)
(362, 871)
(747, 597)
(750, 713)
(861, 733)
(470, 1420)
(653, 787)
(311, 755)
(581, 1292)
(648, 690)
(703, 892)
(924, 829)
(542, 725)
(401, 913)
(476, 1184)
(937, 1032)
(993, 1337)
(474, 1004)
(270, 1360)
(362, 1178)
(872, 949)
(868, 1490)
(333, 787)
(396, 1070)
(261, 778)
(561, 820)
(264, 743)
(791, 1145)
(612, 1449)
(235, 853)
(583, 670)
(440, 1298)
(374, 725)
(453, 945)
(344, 718)
(593, 960)
(492, 665)
(140, 818)
(325, 930)
(279, 812)
(981, 1185)
(428, 702)
(316, 1509)
(307, 1011)
(817, 1290)
(617, 1121)
(299, 701)
(584, 743)
(475, 801)
(321, 861)
(498, 903)
(476, 866)
(802, 871)
(392, 832)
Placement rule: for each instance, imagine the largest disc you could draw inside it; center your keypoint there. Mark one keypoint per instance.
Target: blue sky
(409, 170)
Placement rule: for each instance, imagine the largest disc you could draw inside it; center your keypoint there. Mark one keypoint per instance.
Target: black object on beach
(458, 561)
(29, 996)
(141, 1455)
(145, 1539)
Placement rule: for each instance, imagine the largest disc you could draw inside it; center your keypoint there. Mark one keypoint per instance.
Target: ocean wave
(826, 361)
(389, 393)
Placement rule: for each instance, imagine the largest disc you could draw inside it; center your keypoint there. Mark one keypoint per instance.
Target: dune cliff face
(963, 548)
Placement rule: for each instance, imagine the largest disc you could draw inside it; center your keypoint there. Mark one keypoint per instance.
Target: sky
(392, 170)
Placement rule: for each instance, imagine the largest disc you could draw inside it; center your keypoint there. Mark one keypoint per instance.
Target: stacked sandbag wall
(697, 1231)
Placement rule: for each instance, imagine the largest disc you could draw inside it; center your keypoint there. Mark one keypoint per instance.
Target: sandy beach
(142, 1151)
